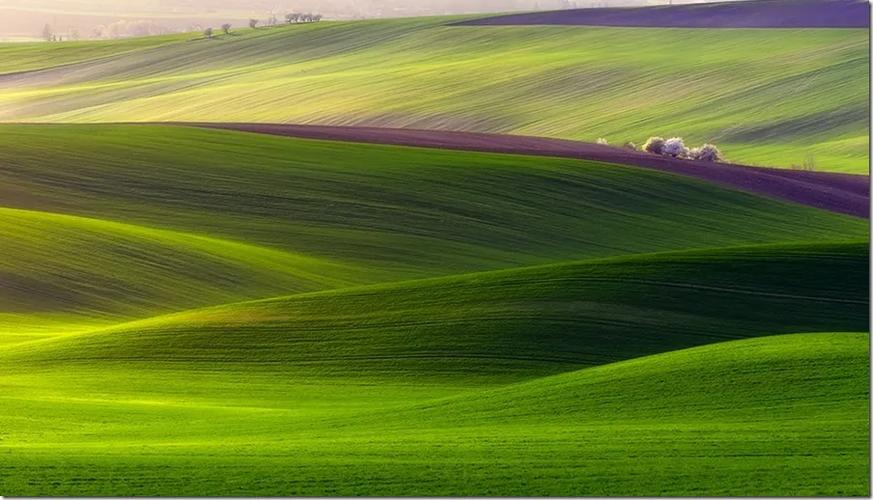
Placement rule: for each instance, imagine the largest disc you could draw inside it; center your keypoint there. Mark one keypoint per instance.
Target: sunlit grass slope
(429, 323)
(96, 271)
(22, 57)
(805, 95)
(499, 325)
(783, 415)
(417, 212)
(109, 222)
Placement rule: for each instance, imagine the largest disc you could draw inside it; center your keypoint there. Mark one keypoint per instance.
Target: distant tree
(292, 17)
(809, 163)
(675, 147)
(316, 18)
(630, 145)
(602, 141)
(225, 28)
(654, 145)
(207, 32)
(253, 23)
(47, 34)
(74, 34)
(707, 152)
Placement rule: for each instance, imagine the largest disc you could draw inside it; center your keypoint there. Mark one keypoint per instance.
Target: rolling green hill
(803, 98)
(188, 311)
(500, 325)
(96, 271)
(785, 415)
(113, 223)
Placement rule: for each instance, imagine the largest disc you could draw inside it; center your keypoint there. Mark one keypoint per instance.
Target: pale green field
(770, 97)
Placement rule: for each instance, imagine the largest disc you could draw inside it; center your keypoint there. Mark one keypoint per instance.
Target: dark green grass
(420, 209)
(433, 323)
(171, 218)
(773, 416)
(502, 325)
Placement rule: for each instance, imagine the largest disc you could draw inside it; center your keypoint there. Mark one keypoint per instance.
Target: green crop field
(202, 312)
(774, 97)
(195, 311)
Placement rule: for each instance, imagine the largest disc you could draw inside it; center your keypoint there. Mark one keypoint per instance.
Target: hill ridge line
(161, 318)
(847, 194)
(176, 232)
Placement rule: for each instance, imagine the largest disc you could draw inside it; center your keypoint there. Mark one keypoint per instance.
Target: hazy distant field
(802, 99)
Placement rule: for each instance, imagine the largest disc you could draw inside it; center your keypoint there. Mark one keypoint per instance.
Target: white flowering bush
(675, 147)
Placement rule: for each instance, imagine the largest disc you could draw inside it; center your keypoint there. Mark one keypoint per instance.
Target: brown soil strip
(842, 193)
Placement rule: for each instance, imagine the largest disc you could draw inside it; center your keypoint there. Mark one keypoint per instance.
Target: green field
(202, 312)
(192, 311)
(152, 202)
(767, 97)
(780, 415)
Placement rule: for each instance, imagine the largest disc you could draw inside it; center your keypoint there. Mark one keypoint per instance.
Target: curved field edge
(567, 82)
(177, 265)
(416, 210)
(778, 415)
(510, 325)
(61, 273)
(841, 193)
(178, 217)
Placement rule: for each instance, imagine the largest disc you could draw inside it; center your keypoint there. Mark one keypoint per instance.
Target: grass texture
(784, 415)
(125, 222)
(207, 312)
(803, 98)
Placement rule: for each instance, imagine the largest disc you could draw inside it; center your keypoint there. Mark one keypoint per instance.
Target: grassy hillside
(23, 57)
(422, 210)
(777, 416)
(108, 223)
(427, 322)
(504, 324)
(95, 271)
(805, 96)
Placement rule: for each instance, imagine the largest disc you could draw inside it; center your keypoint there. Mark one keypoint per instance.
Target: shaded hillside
(736, 14)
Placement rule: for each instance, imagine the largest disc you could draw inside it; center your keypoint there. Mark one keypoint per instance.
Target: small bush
(707, 152)
(809, 163)
(654, 145)
(207, 33)
(601, 140)
(675, 147)
(225, 28)
(630, 145)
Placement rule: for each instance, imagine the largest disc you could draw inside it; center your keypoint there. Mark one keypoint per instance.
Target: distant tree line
(49, 35)
(291, 18)
(298, 17)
